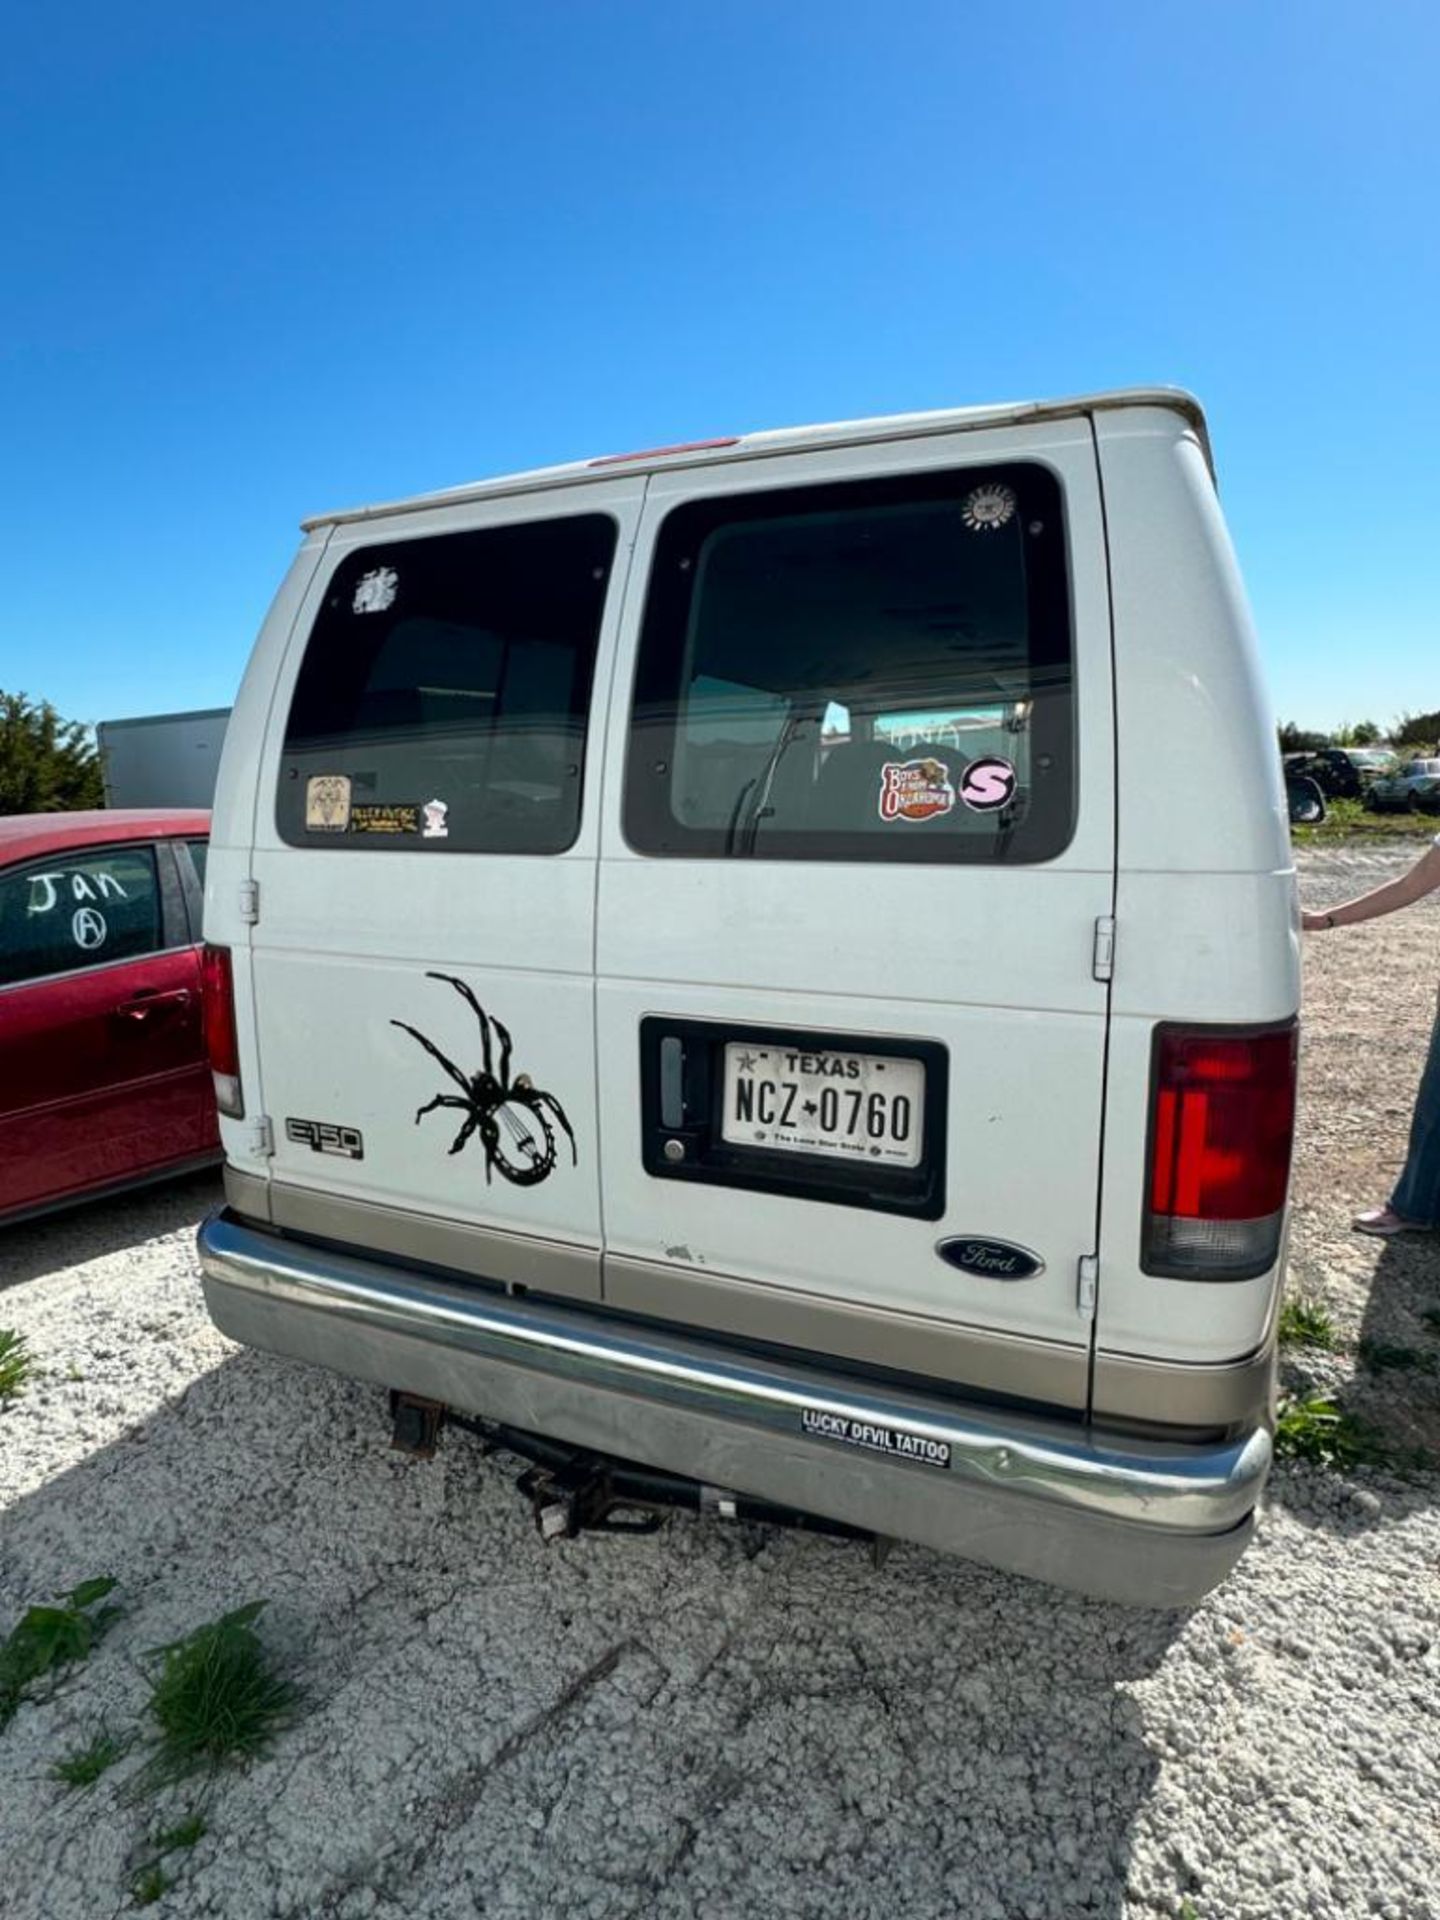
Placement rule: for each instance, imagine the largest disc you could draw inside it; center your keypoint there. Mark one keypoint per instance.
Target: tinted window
(871, 671)
(198, 851)
(78, 910)
(442, 701)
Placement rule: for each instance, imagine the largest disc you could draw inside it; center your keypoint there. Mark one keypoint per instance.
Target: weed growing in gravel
(217, 1698)
(85, 1766)
(51, 1638)
(184, 1835)
(16, 1365)
(1324, 1434)
(1304, 1323)
(148, 1885)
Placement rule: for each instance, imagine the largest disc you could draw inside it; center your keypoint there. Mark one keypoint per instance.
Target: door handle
(150, 1000)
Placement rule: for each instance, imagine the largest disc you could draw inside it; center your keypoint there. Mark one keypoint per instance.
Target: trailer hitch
(572, 1490)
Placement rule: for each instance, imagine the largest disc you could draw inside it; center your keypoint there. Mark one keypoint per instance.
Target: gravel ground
(721, 1722)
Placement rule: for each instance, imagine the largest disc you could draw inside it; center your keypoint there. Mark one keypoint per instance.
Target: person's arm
(1423, 878)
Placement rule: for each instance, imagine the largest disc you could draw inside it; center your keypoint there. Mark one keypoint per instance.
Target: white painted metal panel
(992, 962)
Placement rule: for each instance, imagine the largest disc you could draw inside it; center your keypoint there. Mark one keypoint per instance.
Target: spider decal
(512, 1118)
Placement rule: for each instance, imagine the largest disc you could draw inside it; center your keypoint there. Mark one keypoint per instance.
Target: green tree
(1295, 739)
(47, 765)
(1416, 730)
(1365, 734)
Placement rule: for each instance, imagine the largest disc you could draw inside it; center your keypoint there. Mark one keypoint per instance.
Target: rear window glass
(80, 910)
(880, 670)
(442, 701)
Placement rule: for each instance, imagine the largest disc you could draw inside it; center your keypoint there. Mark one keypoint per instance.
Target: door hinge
(1103, 955)
(260, 1137)
(1088, 1285)
(250, 901)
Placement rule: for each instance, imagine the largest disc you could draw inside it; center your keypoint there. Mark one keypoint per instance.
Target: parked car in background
(104, 1081)
(1412, 788)
(1342, 773)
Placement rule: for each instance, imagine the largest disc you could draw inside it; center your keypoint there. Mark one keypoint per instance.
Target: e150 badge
(324, 1136)
(898, 1442)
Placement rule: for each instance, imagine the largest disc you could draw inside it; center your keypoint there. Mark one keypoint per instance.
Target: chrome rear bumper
(1147, 1523)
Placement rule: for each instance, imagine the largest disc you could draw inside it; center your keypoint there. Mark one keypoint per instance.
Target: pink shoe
(1382, 1221)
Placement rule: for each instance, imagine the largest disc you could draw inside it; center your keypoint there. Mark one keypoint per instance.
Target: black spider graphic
(527, 1155)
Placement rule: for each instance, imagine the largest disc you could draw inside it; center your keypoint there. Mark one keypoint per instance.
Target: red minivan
(104, 1082)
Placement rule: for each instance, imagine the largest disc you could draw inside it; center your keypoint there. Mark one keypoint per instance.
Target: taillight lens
(1222, 1119)
(217, 989)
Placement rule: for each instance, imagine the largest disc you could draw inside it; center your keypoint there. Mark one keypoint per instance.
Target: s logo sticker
(991, 1259)
(987, 784)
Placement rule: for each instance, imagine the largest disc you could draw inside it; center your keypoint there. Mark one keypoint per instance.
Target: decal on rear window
(327, 803)
(436, 826)
(403, 817)
(987, 785)
(512, 1117)
(375, 591)
(988, 508)
(915, 790)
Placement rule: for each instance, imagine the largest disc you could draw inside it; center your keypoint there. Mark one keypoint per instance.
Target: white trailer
(162, 759)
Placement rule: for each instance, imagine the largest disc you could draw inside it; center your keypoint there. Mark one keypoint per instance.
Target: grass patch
(1303, 1323)
(17, 1363)
(148, 1885)
(1350, 820)
(48, 1639)
(1381, 1356)
(85, 1766)
(217, 1698)
(184, 1835)
(1319, 1431)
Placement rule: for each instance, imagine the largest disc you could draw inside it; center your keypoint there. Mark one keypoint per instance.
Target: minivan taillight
(1222, 1118)
(217, 989)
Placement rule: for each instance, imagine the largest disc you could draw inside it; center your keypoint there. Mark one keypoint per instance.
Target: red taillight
(217, 992)
(1222, 1118)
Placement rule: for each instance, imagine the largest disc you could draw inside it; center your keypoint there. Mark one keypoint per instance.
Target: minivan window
(443, 696)
(875, 670)
(74, 910)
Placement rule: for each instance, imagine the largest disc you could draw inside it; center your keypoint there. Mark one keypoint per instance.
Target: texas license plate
(853, 1106)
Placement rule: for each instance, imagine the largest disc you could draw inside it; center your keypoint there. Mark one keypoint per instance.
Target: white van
(776, 960)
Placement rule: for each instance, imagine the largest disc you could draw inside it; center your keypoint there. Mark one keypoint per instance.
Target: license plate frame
(683, 1134)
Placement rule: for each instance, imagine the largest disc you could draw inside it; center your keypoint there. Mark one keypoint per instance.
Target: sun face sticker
(512, 1117)
(915, 790)
(374, 592)
(989, 508)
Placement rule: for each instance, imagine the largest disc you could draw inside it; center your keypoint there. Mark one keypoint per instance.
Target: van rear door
(858, 859)
(425, 850)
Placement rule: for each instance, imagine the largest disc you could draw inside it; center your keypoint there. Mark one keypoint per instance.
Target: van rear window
(443, 697)
(875, 670)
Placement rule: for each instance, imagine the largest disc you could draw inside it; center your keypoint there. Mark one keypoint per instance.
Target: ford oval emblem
(991, 1259)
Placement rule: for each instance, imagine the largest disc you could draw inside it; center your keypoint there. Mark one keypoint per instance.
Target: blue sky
(266, 262)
